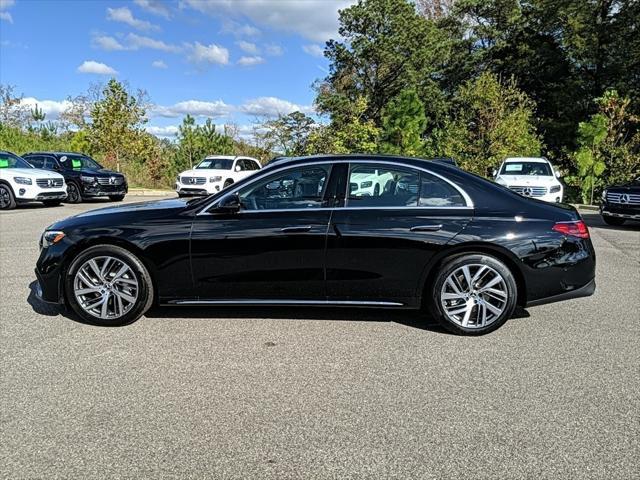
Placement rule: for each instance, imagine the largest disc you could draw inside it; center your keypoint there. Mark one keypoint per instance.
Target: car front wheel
(108, 285)
(7, 200)
(73, 193)
(473, 294)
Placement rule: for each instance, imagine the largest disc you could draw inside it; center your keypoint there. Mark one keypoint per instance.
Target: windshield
(526, 168)
(75, 162)
(9, 160)
(216, 163)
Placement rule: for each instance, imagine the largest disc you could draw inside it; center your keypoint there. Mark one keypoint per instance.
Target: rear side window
(35, 161)
(435, 192)
(374, 185)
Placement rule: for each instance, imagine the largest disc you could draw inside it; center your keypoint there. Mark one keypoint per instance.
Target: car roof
(360, 156)
(527, 159)
(57, 154)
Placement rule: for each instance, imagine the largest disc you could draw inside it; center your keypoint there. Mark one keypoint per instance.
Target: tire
(376, 190)
(228, 182)
(7, 200)
(105, 284)
(465, 311)
(615, 221)
(116, 198)
(51, 203)
(73, 193)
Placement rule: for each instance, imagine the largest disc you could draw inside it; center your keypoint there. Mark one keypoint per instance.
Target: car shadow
(593, 219)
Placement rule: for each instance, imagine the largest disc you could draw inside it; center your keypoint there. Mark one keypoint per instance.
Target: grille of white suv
(49, 182)
(193, 180)
(529, 191)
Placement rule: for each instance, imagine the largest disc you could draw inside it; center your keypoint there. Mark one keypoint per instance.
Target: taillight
(576, 228)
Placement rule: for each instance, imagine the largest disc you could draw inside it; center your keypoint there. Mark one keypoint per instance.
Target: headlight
(51, 237)
(215, 179)
(555, 189)
(87, 179)
(366, 184)
(23, 180)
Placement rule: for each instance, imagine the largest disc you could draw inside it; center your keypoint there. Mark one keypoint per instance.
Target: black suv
(621, 203)
(84, 176)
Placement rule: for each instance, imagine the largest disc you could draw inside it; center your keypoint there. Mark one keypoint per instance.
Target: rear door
(391, 223)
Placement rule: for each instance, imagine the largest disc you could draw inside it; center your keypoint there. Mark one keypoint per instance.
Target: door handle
(426, 228)
(300, 229)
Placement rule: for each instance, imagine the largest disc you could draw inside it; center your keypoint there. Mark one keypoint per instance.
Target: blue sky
(232, 60)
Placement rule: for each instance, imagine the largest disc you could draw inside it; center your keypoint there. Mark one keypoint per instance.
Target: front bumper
(33, 193)
(104, 190)
(206, 189)
(630, 212)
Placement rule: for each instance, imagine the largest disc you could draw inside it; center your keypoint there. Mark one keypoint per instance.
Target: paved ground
(295, 393)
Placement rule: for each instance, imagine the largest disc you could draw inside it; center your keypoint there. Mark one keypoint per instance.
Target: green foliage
(403, 123)
(287, 134)
(490, 120)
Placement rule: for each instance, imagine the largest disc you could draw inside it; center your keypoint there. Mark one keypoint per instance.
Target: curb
(146, 192)
(594, 208)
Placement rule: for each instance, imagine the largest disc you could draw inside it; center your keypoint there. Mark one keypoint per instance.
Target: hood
(524, 180)
(32, 172)
(633, 186)
(137, 208)
(99, 172)
(204, 172)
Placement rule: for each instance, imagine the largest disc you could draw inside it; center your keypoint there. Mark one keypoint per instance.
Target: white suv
(21, 183)
(531, 177)
(214, 173)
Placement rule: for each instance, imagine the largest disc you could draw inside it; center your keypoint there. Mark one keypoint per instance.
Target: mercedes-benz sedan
(301, 232)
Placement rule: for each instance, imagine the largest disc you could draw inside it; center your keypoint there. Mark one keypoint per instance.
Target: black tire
(116, 198)
(74, 194)
(376, 190)
(51, 203)
(228, 182)
(614, 221)
(436, 307)
(7, 200)
(145, 296)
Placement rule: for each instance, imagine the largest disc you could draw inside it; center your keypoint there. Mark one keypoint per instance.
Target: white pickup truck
(21, 183)
(214, 173)
(531, 177)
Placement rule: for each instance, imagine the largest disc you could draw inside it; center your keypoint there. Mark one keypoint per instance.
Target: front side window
(382, 186)
(296, 188)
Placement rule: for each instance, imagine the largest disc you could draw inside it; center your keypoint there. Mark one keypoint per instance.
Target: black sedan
(356, 230)
(621, 203)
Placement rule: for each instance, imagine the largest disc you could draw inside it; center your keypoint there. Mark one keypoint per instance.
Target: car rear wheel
(73, 193)
(473, 294)
(109, 286)
(7, 200)
(116, 198)
(616, 221)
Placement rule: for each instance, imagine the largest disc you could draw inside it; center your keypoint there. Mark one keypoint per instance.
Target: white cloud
(272, 107)
(159, 64)
(51, 108)
(136, 42)
(239, 29)
(124, 15)
(248, 47)
(168, 131)
(313, 50)
(208, 54)
(6, 4)
(273, 50)
(250, 61)
(316, 20)
(157, 7)
(6, 16)
(91, 66)
(107, 43)
(196, 108)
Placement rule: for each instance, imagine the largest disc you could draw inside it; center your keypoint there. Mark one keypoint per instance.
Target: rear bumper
(584, 291)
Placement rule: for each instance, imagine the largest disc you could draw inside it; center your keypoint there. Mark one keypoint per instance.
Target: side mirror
(228, 204)
(494, 172)
(558, 174)
(237, 169)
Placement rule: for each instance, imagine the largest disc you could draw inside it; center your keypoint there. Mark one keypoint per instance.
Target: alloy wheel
(106, 287)
(5, 197)
(474, 296)
(73, 193)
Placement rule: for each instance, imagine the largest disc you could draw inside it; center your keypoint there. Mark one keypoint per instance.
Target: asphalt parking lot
(297, 393)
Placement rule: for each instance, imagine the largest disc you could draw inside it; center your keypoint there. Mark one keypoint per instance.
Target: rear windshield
(525, 168)
(75, 162)
(9, 160)
(216, 163)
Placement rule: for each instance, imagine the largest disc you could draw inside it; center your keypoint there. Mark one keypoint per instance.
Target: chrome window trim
(469, 203)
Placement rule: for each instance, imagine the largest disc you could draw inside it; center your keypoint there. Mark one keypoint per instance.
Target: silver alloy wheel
(474, 296)
(106, 287)
(5, 197)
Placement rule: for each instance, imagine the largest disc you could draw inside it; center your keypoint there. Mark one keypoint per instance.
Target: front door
(273, 248)
(392, 223)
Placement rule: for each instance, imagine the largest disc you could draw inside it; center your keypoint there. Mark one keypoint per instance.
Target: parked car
(439, 238)
(85, 177)
(21, 183)
(531, 177)
(621, 203)
(215, 173)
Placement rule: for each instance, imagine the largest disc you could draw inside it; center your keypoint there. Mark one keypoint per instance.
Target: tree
(589, 157)
(187, 140)
(116, 119)
(287, 134)
(490, 120)
(403, 124)
(13, 113)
